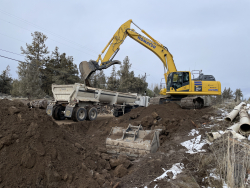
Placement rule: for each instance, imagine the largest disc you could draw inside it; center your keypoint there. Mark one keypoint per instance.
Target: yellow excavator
(179, 84)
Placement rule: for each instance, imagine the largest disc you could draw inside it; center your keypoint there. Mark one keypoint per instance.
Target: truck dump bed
(80, 92)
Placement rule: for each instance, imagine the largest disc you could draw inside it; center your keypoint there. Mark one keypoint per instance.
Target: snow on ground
(175, 169)
(193, 132)
(223, 112)
(248, 107)
(194, 145)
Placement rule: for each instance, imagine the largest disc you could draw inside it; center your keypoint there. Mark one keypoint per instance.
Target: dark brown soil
(37, 152)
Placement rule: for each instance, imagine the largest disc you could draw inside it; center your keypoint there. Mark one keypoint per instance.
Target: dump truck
(80, 102)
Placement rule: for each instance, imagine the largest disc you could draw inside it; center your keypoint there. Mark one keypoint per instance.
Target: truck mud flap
(68, 111)
(49, 110)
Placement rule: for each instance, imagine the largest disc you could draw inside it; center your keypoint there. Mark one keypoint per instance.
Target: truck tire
(73, 116)
(53, 112)
(59, 115)
(92, 114)
(79, 114)
(115, 113)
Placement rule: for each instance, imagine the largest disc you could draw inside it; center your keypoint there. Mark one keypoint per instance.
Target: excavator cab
(178, 81)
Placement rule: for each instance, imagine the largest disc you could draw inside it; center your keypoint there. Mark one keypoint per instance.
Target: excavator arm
(113, 46)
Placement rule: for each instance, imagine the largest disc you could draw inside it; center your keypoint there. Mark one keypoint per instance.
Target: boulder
(120, 171)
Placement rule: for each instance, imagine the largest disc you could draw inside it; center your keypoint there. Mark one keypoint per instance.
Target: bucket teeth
(133, 141)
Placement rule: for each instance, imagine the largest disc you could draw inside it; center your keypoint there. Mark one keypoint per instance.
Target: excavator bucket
(133, 141)
(88, 67)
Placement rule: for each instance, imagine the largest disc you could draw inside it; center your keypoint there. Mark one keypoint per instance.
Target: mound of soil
(37, 152)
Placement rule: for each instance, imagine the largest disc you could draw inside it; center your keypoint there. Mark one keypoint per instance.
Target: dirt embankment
(37, 152)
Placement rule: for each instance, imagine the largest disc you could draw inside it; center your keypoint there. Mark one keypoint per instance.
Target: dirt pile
(36, 152)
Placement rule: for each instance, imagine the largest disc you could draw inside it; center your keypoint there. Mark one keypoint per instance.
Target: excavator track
(186, 102)
(192, 102)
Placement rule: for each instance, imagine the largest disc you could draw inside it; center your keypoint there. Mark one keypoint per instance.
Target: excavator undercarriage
(190, 102)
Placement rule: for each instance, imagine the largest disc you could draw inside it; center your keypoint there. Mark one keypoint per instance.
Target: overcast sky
(208, 35)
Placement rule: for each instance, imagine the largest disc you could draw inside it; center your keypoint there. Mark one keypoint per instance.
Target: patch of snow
(175, 169)
(221, 132)
(211, 125)
(224, 112)
(225, 185)
(248, 106)
(193, 132)
(213, 175)
(194, 145)
(248, 137)
(220, 119)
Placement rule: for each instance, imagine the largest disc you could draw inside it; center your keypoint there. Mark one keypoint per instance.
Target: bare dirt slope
(37, 152)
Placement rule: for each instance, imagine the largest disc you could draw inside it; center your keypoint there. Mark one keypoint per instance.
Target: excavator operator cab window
(169, 81)
(177, 80)
(185, 78)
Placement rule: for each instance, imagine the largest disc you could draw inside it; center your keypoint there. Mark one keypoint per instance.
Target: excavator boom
(113, 46)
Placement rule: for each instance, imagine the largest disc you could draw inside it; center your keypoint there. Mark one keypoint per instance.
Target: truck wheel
(79, 114)
(73, 116)
(92, 114)
(116, 113)
(53, 112)
(59, 115)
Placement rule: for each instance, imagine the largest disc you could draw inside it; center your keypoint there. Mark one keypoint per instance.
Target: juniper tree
(156, 89)
(5, 81)
(238, 94)
(62, 69)
(127, 80)
(113, 82)
(98, 80)
(227, 93)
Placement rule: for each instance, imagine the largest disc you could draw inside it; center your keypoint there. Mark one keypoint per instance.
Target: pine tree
(15, 91)
(29, 70)
(128, 82)
(65, 71)
(125, 76)
(5, 81)
(238, 94)
(98, 80)
(227, 93)
(58, 69)
(113, 82)
(156, 89)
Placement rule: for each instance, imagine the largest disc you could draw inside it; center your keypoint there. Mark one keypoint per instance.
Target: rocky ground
(36, 151)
